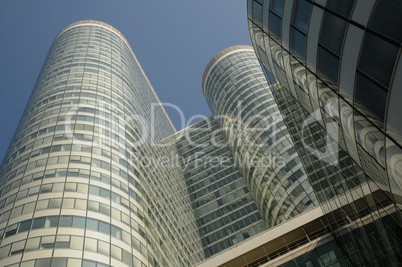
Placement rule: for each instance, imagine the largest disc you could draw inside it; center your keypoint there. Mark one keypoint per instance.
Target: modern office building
(96, 175)
(335, 73)
(224, 209)
(74, 191)
(238, 95)
(297, 171)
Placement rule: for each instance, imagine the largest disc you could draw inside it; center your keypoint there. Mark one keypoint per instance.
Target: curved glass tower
(240, 99)
(339, 69)
(341, 58)
(72, 190)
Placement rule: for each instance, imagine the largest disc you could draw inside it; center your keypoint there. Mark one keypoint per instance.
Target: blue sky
(173, 40)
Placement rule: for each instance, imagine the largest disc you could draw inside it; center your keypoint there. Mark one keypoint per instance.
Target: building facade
(74, 191)
(239, 97)
(85, 181)
(224, 209)
(304, 169)
(335, 72)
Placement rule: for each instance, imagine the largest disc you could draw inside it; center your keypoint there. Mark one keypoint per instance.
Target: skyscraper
(336, 66)
(73, 192)
(96, 175)
(238, 95)
(224, 209)
(290, 172)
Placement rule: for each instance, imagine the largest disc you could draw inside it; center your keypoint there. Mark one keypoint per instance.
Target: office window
(66, 221)
(274, 24)
(104, 227)
(387, 19)
(298, 41)
(257, 13)
(343, 8)
(301, 14)
(24, 226)
(378, 59)
(371, 96)
(43, 262)
(51, 221)
(332, 33)
(79, 222)
(38, 223)
(277, 7)
(328, 65)
(92, 224)
(59, 262)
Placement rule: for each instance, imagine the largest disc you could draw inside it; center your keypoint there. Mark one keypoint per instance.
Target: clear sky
(173, 40)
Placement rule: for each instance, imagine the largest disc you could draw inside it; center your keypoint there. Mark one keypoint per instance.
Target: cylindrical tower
(72, 193)
(239, 97)
(341, 59)
(338, 67)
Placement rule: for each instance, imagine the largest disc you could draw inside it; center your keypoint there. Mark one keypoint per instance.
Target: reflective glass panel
(341, 7)
(298, 41)
(277, 6)
(328, 65)
(378, 58)
(275, 24)
(301, 14)
(257, 14)
(38, 223)
(332, 33)
(387, 19)
(371, 96)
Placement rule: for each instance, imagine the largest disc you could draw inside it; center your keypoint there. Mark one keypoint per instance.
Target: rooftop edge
(219, 56)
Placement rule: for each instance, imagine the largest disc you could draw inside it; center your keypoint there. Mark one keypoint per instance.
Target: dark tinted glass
(297, 41)
(289, 264)
(372, 97)
(277, 6)
(301, 14)
(343, 7)
(378, 59)
(387, 19)
(328, 254)
(274, 24)
(268, 75)
(24, 226)
(332, 33)
(66, 221)
(38, 223)
(257, 14)
(328, 65)
(52, 221)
